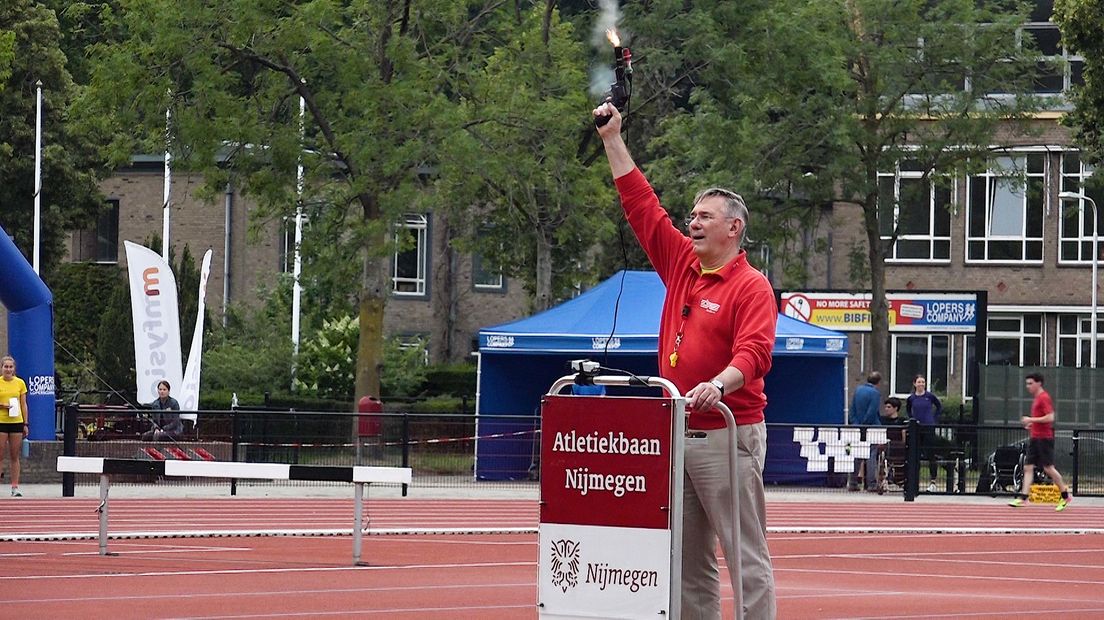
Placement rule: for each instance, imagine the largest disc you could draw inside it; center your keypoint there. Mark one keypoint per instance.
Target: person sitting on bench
(166, 422)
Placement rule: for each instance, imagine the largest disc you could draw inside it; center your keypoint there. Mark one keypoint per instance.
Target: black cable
(140, 412)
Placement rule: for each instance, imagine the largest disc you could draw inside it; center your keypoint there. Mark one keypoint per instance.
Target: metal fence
(1075, 392)
(462, 450)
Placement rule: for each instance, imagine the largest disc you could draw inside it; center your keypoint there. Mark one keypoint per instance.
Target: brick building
(1005, 232)
(439, 294)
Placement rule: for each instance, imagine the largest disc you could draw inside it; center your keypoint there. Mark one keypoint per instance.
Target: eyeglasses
(704, 218)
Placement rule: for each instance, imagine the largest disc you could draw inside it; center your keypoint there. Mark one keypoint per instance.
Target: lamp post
(1095, 260)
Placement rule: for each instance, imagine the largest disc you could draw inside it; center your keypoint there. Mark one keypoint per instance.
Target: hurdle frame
(358, 475)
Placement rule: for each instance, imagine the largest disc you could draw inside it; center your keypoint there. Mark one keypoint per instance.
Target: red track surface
(900, 572)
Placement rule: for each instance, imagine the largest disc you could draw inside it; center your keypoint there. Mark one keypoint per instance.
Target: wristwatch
(718, 384)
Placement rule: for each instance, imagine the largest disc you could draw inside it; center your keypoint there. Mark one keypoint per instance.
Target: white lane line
(244, 571)
(417, 611)
(267, 593)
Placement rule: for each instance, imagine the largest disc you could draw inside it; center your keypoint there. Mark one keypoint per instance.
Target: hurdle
(358, 475)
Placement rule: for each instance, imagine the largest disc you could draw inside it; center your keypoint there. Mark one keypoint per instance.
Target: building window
(486, 277)
(919, 210)
(1058, 67)
(414, 347)
(411, 262)
(1076, 225)
(926, 355)
(1015, 340)
(1004, 217)
(99, 244)
(1075, 339)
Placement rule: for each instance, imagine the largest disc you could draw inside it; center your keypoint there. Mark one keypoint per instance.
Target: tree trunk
(445, 294)
(879, 307)
(373, 300)
(542, 299)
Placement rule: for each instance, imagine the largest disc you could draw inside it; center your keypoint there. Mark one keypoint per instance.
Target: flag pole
(297, 268)
(38, 178)
(168, 187)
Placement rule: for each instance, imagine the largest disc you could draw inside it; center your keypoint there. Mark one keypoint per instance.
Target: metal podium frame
(732, 553)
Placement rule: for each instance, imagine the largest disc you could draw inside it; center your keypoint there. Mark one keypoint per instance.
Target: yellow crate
(1044, 494)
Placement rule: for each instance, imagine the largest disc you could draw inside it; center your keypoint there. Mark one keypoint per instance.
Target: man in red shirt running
(716, 338)
(1040, 448)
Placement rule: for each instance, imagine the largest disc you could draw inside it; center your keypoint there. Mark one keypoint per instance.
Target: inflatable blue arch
(30, 334)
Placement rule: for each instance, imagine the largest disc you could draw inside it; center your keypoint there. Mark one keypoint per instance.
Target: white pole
(297, 269)
(168, 187)
(38, 178)
(1095, 262)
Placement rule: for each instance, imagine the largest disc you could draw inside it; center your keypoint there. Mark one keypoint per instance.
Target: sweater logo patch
(710, 306)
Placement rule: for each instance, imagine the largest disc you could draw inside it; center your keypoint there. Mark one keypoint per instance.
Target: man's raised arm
(620, 161)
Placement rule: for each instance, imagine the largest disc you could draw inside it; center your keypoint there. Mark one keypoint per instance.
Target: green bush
(451, 379)
(221, 400)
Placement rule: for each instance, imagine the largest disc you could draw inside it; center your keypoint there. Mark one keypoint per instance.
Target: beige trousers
(707, 513)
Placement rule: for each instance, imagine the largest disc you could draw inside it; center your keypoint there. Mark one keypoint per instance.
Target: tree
(29, 53)
(805, 101)
(542, 207)
(376, 79)
(1081, 22)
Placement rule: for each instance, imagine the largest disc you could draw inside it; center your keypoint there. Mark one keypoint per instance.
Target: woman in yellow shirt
(13, 417)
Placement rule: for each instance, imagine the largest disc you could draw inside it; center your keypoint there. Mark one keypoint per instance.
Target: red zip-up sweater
(727, 318)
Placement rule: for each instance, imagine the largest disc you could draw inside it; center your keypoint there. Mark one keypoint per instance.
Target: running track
(832, 560)
(68, 518)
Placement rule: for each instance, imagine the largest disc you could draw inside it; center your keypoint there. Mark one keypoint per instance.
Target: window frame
(102, 252)
(992, 177)
(1065, 58)
(929, 340)
(1083, 239)
(1021, 335)
(416, 224)
(477, 268)
(931, 237)
(1081, 337)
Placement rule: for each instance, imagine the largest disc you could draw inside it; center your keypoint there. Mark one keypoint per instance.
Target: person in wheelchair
(891, 456)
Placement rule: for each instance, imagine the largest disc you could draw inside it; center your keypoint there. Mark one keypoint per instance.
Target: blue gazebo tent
(617, 324)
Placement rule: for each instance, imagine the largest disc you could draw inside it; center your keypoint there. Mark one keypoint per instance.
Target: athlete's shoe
(932, 488)
(1062, 503)
(16, 493)
(1016, 502)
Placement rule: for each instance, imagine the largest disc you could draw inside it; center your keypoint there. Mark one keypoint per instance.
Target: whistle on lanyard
(621, 88)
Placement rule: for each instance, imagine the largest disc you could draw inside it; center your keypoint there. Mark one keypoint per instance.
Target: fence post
(405, 445)
(235, 439)
(69, 448)
(912, 466)
(1076, 460)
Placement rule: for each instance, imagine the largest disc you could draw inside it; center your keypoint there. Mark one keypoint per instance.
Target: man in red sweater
(716, 336)
(1040, 448)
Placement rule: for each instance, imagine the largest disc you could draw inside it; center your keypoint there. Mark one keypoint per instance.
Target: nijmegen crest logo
(565, 564)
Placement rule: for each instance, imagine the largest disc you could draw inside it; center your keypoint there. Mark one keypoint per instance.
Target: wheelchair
(892, 461)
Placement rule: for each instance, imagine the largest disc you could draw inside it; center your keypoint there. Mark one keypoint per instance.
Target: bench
(359, 476)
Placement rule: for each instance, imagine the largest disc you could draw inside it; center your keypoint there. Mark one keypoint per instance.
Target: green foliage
(404, 369)
(83, 297)
(451, 379)
(29, 53)
(382, 83)
(114, 353)
(800, 102)
(252, 353)
(540, 205)
(1081, 22)
(327, 360)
